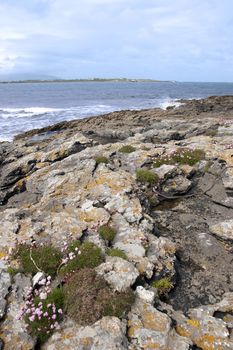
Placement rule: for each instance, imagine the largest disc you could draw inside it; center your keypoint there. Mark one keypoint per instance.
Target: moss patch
(182, 157)
(101, 159)
(90, 256)
(89, 298)
(117, 252)
(47, 258)
(164, 285)
(107, 233)
(146, 176)
(127, 149)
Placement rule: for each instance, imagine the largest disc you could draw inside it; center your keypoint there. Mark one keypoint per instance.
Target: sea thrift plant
(43, 309)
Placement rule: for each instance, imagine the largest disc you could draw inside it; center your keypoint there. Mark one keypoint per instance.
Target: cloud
(180, 40)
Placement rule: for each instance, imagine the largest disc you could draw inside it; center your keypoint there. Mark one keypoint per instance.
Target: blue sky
(185, 40)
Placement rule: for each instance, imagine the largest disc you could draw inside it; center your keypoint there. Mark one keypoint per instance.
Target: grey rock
(119, 273)
(5, 283)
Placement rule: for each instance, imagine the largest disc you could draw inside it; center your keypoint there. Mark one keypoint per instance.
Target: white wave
(169, 103)
(29, 111)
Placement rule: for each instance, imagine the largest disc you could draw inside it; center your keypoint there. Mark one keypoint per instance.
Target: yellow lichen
(193, 323)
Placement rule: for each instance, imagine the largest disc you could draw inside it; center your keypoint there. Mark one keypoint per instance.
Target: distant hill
(56, 80)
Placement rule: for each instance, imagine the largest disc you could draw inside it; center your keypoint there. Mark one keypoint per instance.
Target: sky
(183, 40)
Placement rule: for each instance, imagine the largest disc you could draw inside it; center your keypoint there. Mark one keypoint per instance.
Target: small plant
(164, 285)
(182, 157)
(89, 255)
(117, 252)
(35, 258)
(107, 233)
(127, 149)
(211, 132)
(89, 298)
(43, 309)
(146, 176)
(13, 271)
(101, 159)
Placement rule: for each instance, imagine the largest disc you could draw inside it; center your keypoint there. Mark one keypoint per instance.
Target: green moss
(127, 149)
(73, 245)
(90, 256)
(164, 285)
(211, 132)
(107, 233)
(182, 156)
(46, 257)
(88, 298)
(101, 159)
(117, 252)
(13, 271)
(146, 176)
(42, 328)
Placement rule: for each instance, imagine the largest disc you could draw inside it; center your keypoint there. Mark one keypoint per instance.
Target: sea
(25, 106)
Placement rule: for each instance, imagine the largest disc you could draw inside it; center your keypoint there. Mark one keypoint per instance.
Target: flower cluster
(69, 255)
(40, 310)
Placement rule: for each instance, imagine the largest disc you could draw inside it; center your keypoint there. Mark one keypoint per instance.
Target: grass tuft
(146, 176)
(107, 233)
(101, 159)
(89, 298)
(117, 252)
(164, 285)
(90, 256)
(181, 157)
(127, 149)
(47, 258)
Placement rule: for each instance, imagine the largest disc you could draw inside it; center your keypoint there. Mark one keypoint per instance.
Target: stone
(106, 334)
(146, 295)
(5, 283)
(165, 171)
(223, 229)
(37, 278)
(176, 186)
(148, 328)
(119, 273)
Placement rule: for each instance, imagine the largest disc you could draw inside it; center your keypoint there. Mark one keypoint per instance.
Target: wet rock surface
(173, 230)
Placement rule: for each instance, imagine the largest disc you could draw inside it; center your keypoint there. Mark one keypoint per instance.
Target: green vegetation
(90, 256)
(116, 252)
(89, 298)
(107, 233)
(211, 132)
(73, 246)
(34, 258)
(127, 149)
(182, 156)
(101, 159)
(13, 271)
(146, 176)
(42, 327)
(164, 285)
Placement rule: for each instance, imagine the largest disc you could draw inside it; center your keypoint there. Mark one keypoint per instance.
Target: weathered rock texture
(52, 188)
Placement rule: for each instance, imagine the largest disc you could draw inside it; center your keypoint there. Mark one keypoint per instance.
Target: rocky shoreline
(123, 223)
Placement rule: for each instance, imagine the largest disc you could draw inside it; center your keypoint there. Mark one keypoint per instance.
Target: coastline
(162, 180)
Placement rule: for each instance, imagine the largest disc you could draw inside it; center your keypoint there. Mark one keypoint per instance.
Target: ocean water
(27, 106)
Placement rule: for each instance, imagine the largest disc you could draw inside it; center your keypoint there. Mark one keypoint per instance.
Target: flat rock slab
(223, 229)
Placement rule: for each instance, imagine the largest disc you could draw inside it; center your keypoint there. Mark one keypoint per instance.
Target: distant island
(96, 80)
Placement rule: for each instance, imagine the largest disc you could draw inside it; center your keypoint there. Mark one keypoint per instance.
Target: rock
(5, 283)
(148, 328)
(176, 186)
(119, 273)
(146, 295)
(106, 334)
(223, 229)
(165, 171)
(37, 278)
